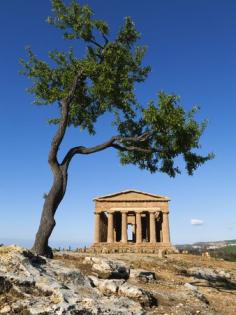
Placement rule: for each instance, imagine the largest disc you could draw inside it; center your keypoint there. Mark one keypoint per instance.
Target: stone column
(152, 227)
(138, 228)
(110, 232)
(124, 227)
(165, 228)
(133, 233)
(97, 228)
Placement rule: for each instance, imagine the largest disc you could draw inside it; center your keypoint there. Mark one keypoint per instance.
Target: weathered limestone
(110, 233)
(108, 269)
(147, 214)
(33, 285)
(138, 228)
(165, 228)
(97, 228)
(152, 227)
(142, 275)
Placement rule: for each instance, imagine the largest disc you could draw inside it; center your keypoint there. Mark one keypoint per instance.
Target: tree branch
(131, 148)
(143, 137)
(96, 43)
(65, 104)
(105, 39)
(92, 41)
(114, 142)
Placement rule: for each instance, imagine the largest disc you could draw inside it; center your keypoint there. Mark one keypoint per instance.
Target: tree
(103, 80)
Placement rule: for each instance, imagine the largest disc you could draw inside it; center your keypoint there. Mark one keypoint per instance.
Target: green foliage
(111, 68)
(76, 21)
(227, 253)
(173, 132)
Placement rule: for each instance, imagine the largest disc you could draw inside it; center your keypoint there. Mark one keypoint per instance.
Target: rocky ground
(78, 283)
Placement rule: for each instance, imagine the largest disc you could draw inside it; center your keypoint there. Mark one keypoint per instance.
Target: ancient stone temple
(131, 221)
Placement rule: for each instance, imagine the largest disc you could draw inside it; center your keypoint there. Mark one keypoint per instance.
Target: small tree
(103, 80)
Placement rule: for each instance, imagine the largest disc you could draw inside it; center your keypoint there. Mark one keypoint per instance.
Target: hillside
(115, 284)
(210, 243)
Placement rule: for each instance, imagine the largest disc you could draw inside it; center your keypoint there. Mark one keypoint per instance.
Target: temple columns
(138, 228)
(97, 238)
(152, 227)
(124, 227)
(110, 232)
(165, 228)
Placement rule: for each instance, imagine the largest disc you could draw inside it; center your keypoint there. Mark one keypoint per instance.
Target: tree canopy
(150, 136)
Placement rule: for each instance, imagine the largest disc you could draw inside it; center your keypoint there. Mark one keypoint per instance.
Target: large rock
(5, 285)
(108, 269)
(120, 287)
(106, 286)
(191, 287)
(46, 287)
(196, 293)
(208, 274)
(144, 297)
(142, 275)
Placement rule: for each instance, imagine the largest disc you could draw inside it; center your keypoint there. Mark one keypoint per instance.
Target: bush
(227, 253)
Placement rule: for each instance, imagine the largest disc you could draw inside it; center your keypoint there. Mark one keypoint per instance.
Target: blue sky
(192, 49)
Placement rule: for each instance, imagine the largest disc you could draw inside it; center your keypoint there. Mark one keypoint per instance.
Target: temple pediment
(131, 195)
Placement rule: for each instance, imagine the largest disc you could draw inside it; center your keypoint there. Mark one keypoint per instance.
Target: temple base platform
(130, 247)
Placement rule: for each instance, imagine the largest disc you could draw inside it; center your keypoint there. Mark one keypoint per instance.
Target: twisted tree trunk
(47, 222)
(58, 188)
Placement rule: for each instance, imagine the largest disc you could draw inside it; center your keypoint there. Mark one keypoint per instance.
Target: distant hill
(220, 243)
(205, 245)
(220, 249)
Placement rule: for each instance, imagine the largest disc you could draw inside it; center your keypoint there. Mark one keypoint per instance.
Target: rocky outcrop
(146, 298)
(122, 288)
(74, 284)
(208, 274)
(196, 292)
(110, 275)
(30, 284)
(107, 287)
(142, 275)
(108, 269)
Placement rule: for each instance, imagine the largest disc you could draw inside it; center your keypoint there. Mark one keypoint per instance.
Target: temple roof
(131, 194)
